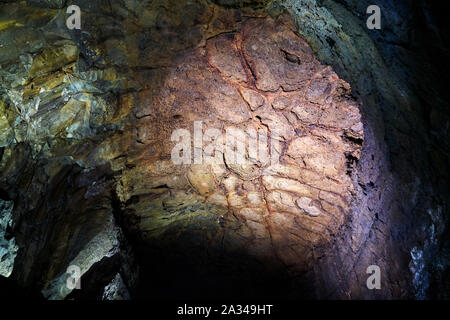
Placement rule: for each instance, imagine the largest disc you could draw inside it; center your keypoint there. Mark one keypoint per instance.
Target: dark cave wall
(414, 44)
(399, 215)
(403, 200)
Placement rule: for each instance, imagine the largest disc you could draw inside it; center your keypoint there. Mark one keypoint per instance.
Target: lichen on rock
(8, 246)
(86, 124)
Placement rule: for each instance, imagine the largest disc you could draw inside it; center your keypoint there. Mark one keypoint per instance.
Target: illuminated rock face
(86, 170)
(261, 77)
(87, 151)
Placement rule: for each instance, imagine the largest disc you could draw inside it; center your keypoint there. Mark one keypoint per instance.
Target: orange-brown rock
(89, 120)
(261, 76)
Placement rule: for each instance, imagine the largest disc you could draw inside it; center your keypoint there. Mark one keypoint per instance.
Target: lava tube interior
(223, 149)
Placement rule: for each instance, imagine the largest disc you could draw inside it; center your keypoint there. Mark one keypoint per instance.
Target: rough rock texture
(403, 172)
(86, 170)
(276, 214)
(8, 247)
(55, 112)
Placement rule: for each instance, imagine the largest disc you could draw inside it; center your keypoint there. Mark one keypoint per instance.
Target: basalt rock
(87, 171)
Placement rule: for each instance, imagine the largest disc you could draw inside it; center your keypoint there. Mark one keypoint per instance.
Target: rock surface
(400, 186)
(87, 176)
(277, 213)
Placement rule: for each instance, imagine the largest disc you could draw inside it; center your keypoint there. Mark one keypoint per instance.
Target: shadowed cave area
(120, 145)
